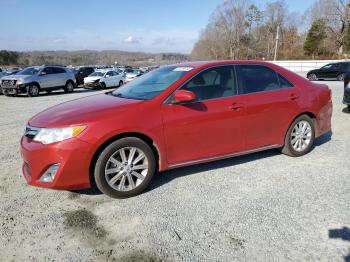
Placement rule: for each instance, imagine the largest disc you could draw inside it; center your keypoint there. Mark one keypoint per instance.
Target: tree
(315, 38)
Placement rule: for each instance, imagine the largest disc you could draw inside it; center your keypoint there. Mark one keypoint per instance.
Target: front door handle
(293, 96)
(235, 107)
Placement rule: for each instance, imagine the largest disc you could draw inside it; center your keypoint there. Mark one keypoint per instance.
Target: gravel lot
(261, 207)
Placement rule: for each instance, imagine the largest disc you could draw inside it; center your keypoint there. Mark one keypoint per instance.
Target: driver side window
(213, 83)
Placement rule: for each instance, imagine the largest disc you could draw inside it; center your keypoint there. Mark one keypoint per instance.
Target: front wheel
(312, 77)
(300, 137)
(341, 77)
(69, 88)
(125, 168)
(33, 90)
(103, 85)
(120, 83)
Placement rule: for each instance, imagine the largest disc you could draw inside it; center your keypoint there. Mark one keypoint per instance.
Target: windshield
(152, 84)
(97, 74)
(136, 71)
(29, 71)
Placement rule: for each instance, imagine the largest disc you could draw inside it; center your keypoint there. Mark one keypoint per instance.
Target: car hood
(15, 77)
(82, 111)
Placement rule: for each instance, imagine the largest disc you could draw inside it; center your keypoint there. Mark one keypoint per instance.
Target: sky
(129, 25)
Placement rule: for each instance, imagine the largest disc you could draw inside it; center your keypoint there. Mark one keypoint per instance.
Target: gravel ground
(261, 207)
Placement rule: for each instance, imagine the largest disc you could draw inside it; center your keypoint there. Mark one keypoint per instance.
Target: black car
(82, 72)
(334, 71)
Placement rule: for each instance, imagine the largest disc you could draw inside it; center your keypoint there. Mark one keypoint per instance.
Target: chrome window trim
(166, 102)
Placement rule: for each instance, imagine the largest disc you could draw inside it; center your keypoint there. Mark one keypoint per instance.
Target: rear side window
(57, 70)
(259, 78)
(48, 70)
(284, 83)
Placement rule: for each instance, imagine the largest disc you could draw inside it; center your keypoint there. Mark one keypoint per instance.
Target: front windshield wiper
(122, 96)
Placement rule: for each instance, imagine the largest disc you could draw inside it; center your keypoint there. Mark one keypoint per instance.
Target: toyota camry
(177, 115)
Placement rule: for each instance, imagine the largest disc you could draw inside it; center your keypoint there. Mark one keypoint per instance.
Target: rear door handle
(293, 97)
(236, 106)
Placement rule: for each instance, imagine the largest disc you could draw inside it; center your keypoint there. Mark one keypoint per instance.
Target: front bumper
(72, 155)
(14, 90)
(90, 85)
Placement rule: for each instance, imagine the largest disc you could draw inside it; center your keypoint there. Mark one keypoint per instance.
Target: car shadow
(166, 176)
(346, 110)
(342, 234)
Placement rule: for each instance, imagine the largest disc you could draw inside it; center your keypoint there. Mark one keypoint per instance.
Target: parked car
(175, 116)
(334, 71)
(346, 97)
(82, 72)
(104, 79)
(6, 73)
(33, 80)
(133, 74)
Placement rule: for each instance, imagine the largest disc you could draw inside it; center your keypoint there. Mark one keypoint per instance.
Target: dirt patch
(84, 220)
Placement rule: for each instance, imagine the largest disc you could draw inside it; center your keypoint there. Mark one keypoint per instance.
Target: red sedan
(175, 116)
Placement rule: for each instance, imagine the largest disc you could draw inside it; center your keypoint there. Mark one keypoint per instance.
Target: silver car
(33, 80)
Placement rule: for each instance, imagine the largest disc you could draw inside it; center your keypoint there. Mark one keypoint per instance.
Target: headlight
(52, 135)
(19, 81)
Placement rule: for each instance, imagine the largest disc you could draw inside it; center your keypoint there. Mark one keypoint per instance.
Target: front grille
(8, 83)
(31, 132)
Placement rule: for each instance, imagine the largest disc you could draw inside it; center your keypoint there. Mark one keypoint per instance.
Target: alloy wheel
(126, 169)
(33, 90)
(301, 136)
(70, 87)
(312, 77)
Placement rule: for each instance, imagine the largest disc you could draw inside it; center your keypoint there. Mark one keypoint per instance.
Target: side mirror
(107, 76)
(182, 96)
(42, 73)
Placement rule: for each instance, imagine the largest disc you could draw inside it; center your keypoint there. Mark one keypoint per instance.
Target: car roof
(197, 64)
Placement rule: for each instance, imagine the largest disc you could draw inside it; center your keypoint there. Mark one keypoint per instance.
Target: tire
(312, 77)
(120, 83)
(341, 77)
(121, 172)
(306, 142)
(349, 108)
(69, 87)
(103, 85)
(33, 90)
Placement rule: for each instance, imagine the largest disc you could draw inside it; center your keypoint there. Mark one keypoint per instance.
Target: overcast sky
(144, 25)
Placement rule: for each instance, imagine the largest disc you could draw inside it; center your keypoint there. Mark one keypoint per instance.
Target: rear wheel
(341, 77)
(121, 83)
(33, 90)
(300, 137)
(125, 168)
(69, 87)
